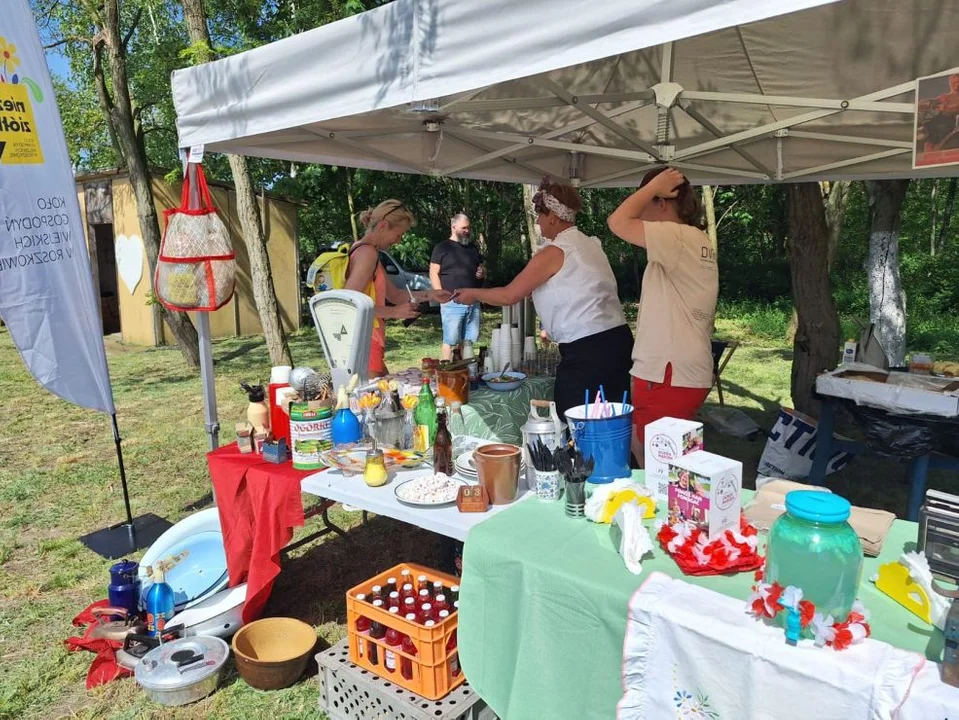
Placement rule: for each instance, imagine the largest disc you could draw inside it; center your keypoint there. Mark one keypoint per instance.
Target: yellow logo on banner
(19, 142)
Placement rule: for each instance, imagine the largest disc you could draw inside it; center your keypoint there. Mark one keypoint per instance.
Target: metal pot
(183, 671)
(550, 430)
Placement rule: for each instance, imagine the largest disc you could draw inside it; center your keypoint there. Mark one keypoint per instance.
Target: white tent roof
(599, 91)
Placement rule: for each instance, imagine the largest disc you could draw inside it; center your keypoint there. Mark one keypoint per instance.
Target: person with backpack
(384, 226)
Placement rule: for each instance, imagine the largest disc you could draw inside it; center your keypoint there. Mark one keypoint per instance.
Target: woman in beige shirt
(672, 356)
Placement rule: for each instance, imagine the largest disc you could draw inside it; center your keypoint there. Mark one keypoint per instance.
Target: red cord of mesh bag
(200, 200)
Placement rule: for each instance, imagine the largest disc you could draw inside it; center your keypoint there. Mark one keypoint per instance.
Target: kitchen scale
(939, 540)
(344, 322)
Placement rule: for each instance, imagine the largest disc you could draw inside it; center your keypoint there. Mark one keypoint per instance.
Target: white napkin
(693, 653)
(635, 542)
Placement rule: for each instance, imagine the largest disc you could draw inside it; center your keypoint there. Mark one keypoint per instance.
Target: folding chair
(722, 352)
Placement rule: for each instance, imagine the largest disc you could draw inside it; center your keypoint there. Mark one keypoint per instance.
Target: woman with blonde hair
(576, 297)
(672, 359)
(384, 226)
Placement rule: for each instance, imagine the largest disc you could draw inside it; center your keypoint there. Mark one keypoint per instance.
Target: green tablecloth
(543, 610)
(500, 416)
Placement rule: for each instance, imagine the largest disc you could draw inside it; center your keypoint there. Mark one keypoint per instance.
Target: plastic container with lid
(813, 547)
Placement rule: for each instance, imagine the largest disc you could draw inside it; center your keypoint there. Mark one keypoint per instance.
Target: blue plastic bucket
(605, 440)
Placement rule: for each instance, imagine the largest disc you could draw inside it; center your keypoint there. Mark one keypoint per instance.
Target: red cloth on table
(260, 504)
(104, 667)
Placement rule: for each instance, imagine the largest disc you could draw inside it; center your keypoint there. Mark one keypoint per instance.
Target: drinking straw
(623, 407)
(586, 403)
(605, 406)
(596, 407)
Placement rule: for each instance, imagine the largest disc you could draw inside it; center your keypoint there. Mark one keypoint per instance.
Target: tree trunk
(709, 197)
(118, 111)
(816, 345)
(947, 214)
(264, 294)
(836, 195)
(837, 199)
(933, 217)
(887, 302)
(350, 204)
(532, 230)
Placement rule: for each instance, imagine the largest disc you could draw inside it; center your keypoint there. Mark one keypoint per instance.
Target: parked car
(400, 276)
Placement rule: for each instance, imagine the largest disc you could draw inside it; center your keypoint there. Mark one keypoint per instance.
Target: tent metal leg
(212, 423)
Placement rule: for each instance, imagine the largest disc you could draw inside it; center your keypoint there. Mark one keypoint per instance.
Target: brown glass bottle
(443, 446)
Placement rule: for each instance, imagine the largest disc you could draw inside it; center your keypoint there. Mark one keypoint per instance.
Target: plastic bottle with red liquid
(406, 664)
(279, 420)
(362, 629)
(394, 639)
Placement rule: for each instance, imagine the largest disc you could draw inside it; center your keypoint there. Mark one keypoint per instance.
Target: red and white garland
(731, 552)
(769, 599)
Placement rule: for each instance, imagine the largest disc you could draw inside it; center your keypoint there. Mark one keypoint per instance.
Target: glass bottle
(406, 664)
(457, 428)
(394, 602)
(422, 584)
(424, 418)
(391, 585)
(377, 632)
(362, 629)
(442, 444)
(426, 612)
(394, 638)
(454, 663)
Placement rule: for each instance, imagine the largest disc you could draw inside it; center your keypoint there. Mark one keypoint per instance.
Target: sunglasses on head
(392, 210)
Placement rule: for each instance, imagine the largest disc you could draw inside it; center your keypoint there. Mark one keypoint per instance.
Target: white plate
(437, 503)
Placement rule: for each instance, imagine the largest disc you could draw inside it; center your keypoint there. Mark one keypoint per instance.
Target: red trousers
(652, 401)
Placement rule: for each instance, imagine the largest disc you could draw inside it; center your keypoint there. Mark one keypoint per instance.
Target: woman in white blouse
(575, 294)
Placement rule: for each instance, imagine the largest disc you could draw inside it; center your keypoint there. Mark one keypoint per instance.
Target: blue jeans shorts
(460, 322)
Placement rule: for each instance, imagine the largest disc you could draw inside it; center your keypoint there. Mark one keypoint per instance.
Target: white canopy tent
(731, 91)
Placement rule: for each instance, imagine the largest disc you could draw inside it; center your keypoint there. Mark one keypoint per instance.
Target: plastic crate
(348, 692)
(432, 665)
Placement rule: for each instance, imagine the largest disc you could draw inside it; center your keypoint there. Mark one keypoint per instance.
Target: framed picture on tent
(936, 139)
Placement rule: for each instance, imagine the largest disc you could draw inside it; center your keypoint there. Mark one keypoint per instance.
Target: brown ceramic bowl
(272, 653)
(497, 466)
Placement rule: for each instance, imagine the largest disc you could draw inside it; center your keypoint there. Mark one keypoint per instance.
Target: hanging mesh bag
(197, 266)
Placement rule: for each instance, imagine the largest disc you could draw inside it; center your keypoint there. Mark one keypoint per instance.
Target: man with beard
(457, 263)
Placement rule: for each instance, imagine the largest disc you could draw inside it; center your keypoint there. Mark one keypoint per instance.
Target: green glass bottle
(424, 419)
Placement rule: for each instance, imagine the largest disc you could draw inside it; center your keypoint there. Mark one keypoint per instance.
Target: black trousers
(601, 359)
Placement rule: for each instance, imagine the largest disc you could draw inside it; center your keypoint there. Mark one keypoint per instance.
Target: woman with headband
(672, 360)
(384, 226)
(575, 294)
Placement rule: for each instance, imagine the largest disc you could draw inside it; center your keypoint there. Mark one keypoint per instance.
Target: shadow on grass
(312, 586)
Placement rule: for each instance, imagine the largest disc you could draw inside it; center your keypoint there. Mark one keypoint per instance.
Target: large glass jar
(813, 547)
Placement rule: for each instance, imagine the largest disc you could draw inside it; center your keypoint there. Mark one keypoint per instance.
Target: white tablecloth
(351, 490)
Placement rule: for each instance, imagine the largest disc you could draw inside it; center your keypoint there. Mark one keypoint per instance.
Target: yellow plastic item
(894, 580)
(618, 497)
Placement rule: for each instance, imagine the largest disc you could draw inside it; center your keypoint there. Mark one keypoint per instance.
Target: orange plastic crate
(432, 665)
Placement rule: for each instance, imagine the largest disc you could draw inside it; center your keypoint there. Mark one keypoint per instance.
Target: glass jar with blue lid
(813, 547)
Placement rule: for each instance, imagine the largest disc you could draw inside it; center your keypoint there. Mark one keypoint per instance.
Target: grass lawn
(58, 480)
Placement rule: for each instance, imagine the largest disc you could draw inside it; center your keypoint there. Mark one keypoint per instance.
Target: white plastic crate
(348, 692)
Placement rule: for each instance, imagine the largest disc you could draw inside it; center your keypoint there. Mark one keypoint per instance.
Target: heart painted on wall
(129, 255)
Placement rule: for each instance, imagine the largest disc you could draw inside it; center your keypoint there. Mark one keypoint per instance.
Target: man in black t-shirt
(457, 263)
